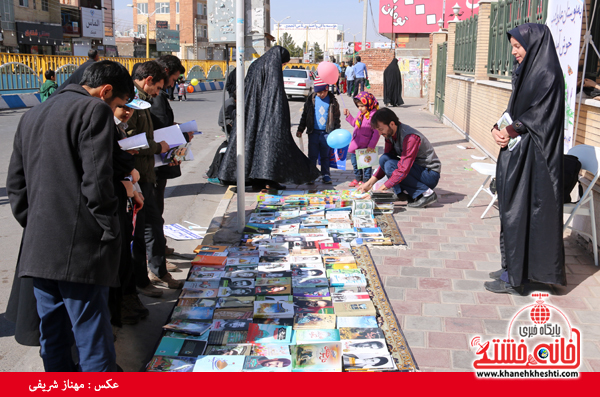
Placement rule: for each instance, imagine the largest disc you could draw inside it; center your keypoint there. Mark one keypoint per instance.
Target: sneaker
(172, 267)
(354, 183)
(327, 179)
(169, 250)
(423, 201)
(496, 275)
(128, 315)
(167, 281)
(133, 302)
(215, 181)
(150, 290)
(500, 287)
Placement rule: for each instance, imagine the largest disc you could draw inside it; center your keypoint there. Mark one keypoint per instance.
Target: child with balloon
(364, 136)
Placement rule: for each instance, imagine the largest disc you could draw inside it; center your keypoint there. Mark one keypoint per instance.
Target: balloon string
(343, 103)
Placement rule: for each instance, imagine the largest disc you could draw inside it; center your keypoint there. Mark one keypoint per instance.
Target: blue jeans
(362, 174)
(74, 310)
(351, 88)
(317, 146)
(418, 180)
(359, 83)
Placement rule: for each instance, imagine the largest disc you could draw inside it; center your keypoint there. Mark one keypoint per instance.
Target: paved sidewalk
(436, 286)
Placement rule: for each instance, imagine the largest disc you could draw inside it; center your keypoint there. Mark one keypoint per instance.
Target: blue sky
(345, 12)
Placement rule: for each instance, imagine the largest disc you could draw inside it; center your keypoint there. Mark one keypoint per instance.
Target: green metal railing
(465, 46)
(507, 14)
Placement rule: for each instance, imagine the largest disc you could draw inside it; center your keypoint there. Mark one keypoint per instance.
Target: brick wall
(376, 60)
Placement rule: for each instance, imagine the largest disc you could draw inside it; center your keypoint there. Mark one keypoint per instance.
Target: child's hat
(320, 85)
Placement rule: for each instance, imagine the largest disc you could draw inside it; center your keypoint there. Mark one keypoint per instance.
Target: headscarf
(519, 33)
(368, 99)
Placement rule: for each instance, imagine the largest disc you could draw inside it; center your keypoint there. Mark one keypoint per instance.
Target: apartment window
(177, 26)
(34, 5)
(44, 5)
(199, 9)
(204, 7)
(141, 29)
(163, 8)
(142, 8)
(24, 3)
(177, 8)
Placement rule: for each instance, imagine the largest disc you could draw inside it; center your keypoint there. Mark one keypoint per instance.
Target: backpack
(572, 167)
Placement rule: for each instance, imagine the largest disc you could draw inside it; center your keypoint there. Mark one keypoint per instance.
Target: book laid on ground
(236, 282)
(201, 284)
(262, 282)
(200, 293)
(198, 302)
(259, 349)
(357, 322)
(274, 321)
(210, 248)
(187, 327)
(171, 364)
(281, 363)
(265, 309)
(340, 278)
(236, 301)
(179, 335)
(365, 361)
(227, 337)
(233, 313)
(196, 275)
(350, 297)
(303, 336)
(355, 309)
(314, 305)
(219, 364)
(214, 261)
(375, 346)
(311, 292)
(180, 347)
(240, 349)
(192, 313)
(269, 334)
(230, 325)
(317, 357)
(361, 333)
(314, 321)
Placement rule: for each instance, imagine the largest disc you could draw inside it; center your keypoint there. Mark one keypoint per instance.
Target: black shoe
(423, 201)
(496, 275)
(500, 287)
(405, 197)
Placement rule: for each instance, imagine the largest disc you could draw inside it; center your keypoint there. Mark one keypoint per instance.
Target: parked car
(298, 82)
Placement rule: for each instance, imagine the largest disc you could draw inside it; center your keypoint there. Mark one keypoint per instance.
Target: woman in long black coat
(529, 171)
(272, 156)
(392, 85)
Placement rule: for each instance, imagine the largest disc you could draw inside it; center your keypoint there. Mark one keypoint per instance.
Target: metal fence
(507, 14)
(465, 45)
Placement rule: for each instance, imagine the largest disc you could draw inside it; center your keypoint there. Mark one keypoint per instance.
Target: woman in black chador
(529, 172)
(272, 156)
(392, 85)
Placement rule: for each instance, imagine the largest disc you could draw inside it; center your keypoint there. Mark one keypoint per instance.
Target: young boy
(320, 116)
(49, 85)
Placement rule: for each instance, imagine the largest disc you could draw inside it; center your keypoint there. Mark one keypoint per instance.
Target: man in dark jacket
(61, 192)
(320, 116)
(149, 239)
(77, 75)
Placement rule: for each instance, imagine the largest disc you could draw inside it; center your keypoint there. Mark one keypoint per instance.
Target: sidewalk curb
(218, 217)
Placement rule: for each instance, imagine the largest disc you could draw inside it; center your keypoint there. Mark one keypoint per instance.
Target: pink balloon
(328, 72)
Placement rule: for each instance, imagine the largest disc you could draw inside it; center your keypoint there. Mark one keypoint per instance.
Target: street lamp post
(279, 23)
(148, 15)
(307, 25)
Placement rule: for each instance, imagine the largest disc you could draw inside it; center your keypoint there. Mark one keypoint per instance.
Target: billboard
(162, 25)
(91, 23)
(167, 40)
(221, 21)
(419, 16)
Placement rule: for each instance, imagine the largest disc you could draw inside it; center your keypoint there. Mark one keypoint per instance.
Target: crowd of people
(83, 202)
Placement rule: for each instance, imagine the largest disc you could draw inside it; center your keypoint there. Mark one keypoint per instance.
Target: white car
(298, 82)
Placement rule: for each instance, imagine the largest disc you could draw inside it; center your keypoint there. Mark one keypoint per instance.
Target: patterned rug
(386, 318)
(389, 228)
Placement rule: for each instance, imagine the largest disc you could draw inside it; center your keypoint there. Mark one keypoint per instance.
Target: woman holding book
(529, 172)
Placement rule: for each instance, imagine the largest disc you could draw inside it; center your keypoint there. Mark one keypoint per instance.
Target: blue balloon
(339, 138)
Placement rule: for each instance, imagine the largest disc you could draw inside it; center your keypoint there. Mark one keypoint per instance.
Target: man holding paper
(410, 162)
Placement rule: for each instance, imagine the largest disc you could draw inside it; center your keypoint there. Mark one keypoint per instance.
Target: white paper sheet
(134, 142)
(190, 126)
(179, 232)
(172, 135)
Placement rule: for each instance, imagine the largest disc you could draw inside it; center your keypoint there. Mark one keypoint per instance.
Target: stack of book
(290, 297)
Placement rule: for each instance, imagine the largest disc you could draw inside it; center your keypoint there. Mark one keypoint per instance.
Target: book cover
(317, 357)
(308, 272)
(236, 301)
(314, 321)
(360, 361)
(268, 363)
(232, 250)
(187, 327)
(197, 302)
(337, 252)
(330, 260)
(201, 276)
(275, 253)
(210, 248)
(242, 349)
(214, 261)
(219, 364)
(273, 290)
(242, 261)
(227, 337)
(310, 292)
(338, 279)
(237, 291)
(349, 289)
(230, 325)
(354, 309)
(371, 346)
(260, 275)
(241, 273)
(300, 282)
(179, 335)
(199, 293)
(273, 309)
(274, 267)
(269, 334)
(270, 350)
(171, 364)
(201, 284)
(350, 297)
(275, 298)
(309, 336)
(234, 283)
(180, 347)
(233, 313)
(274, 321)
(314, 305)
(357, 322)
(235, 268)
(312, 265)
(192, 313)
(361, 333)
(262, 282)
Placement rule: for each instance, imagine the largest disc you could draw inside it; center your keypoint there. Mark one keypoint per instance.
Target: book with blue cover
(269, 334)
(357, 322)
(192, 313)
(180, 347)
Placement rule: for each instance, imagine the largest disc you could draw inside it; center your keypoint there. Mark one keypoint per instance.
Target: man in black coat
(77, 75)
(60, 188)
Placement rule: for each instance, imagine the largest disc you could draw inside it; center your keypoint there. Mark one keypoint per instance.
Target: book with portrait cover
(265, 281)
(241, 273)
(377, 346)
(309, 282)
(311, 292)
(338, 278)
(273, 290)
(314, 321)
(361, 333)
(171, 364)
(269, 334)
(322, 305)
(219, 364)
(236, 283)
(180, 347)
(279, 363)
(230, 325)
(354, 309)
(227, 337)
(201, 275)
(380, 360)
(275, 298)
(240, 349)
(192, 313)
(317, 357)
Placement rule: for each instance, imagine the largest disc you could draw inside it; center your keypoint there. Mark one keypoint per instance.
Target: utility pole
(364, 38)
(196, 39)
(148, 36)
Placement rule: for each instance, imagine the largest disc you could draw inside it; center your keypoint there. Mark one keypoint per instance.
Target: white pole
(365, 11)
(241, 119)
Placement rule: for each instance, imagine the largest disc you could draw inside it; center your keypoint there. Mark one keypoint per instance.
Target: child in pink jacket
(364, 136)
